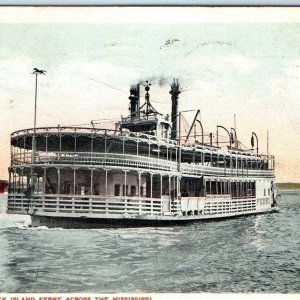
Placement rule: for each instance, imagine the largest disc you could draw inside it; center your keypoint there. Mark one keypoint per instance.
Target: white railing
(215, 171)
(91, 204)
(64, 130)
(62, 205)
(91, 158)
(92, 132)
(215, 207)
(135, 161)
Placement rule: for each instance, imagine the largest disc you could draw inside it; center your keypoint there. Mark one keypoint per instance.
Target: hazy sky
(243, 61)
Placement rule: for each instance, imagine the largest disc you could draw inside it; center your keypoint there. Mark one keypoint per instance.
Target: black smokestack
(174, 115)
(134, 101)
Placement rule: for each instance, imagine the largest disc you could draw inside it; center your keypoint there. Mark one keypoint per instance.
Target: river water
(247, 254)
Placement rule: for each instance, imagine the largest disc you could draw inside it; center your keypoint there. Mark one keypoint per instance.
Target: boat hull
(67, 222)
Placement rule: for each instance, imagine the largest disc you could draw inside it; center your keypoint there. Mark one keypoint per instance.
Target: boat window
(133, 190)
(117, 190)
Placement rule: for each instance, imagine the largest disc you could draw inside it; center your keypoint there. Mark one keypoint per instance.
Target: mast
(36, 72)
(147, 106)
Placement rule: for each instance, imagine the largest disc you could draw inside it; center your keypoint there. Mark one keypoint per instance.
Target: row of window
(263, 201)
(121, 190)
(236, 189)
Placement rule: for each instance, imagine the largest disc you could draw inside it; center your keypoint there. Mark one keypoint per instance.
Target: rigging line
(75, 124)
(107, 121)
(110, 86)
(87, 124)
(95, 122)
(184, 126)
(243, 145)
(185, 123)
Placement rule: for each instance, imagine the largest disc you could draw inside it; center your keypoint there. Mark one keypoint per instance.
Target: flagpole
(36, 72)
(34, 123)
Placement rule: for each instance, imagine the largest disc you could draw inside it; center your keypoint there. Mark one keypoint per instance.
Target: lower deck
(182, 210)
(124, 194)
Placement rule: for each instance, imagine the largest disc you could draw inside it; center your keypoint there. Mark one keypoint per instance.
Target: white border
(153, 2)
(143, 15)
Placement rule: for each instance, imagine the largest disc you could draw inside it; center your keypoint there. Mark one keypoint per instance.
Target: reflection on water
(255, 232)
(247, 254)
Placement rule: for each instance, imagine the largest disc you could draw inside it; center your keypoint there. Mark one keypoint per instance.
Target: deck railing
(191, 169)
(64, 130)
(134, 161)
(62, 205)
(105, 159)
(91, 205)
(92, 132)
(214, 207)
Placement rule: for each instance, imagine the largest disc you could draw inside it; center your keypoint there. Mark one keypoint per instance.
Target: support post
(22, 182)
(38, 183)
(105, 143)
(44, 180)
(139, 184)
(92, 177)
(125, 183)
(161, 183)
(58, 181)
(177, 187)
(170, 186)
(106, 182)
(74, 181)
(151, 185)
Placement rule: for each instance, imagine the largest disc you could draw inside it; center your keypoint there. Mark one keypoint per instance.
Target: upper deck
(102, 148)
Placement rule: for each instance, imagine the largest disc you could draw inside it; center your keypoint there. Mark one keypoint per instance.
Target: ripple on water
(247, 254)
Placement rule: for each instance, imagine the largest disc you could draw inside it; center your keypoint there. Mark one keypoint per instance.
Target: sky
(243, 61)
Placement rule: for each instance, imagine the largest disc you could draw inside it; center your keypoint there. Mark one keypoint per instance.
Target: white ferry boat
(143, 173)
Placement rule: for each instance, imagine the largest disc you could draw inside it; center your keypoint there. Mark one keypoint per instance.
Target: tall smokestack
(174, 115)
(134, 101)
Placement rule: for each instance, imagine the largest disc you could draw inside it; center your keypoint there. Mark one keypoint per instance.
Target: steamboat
(142, 173)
